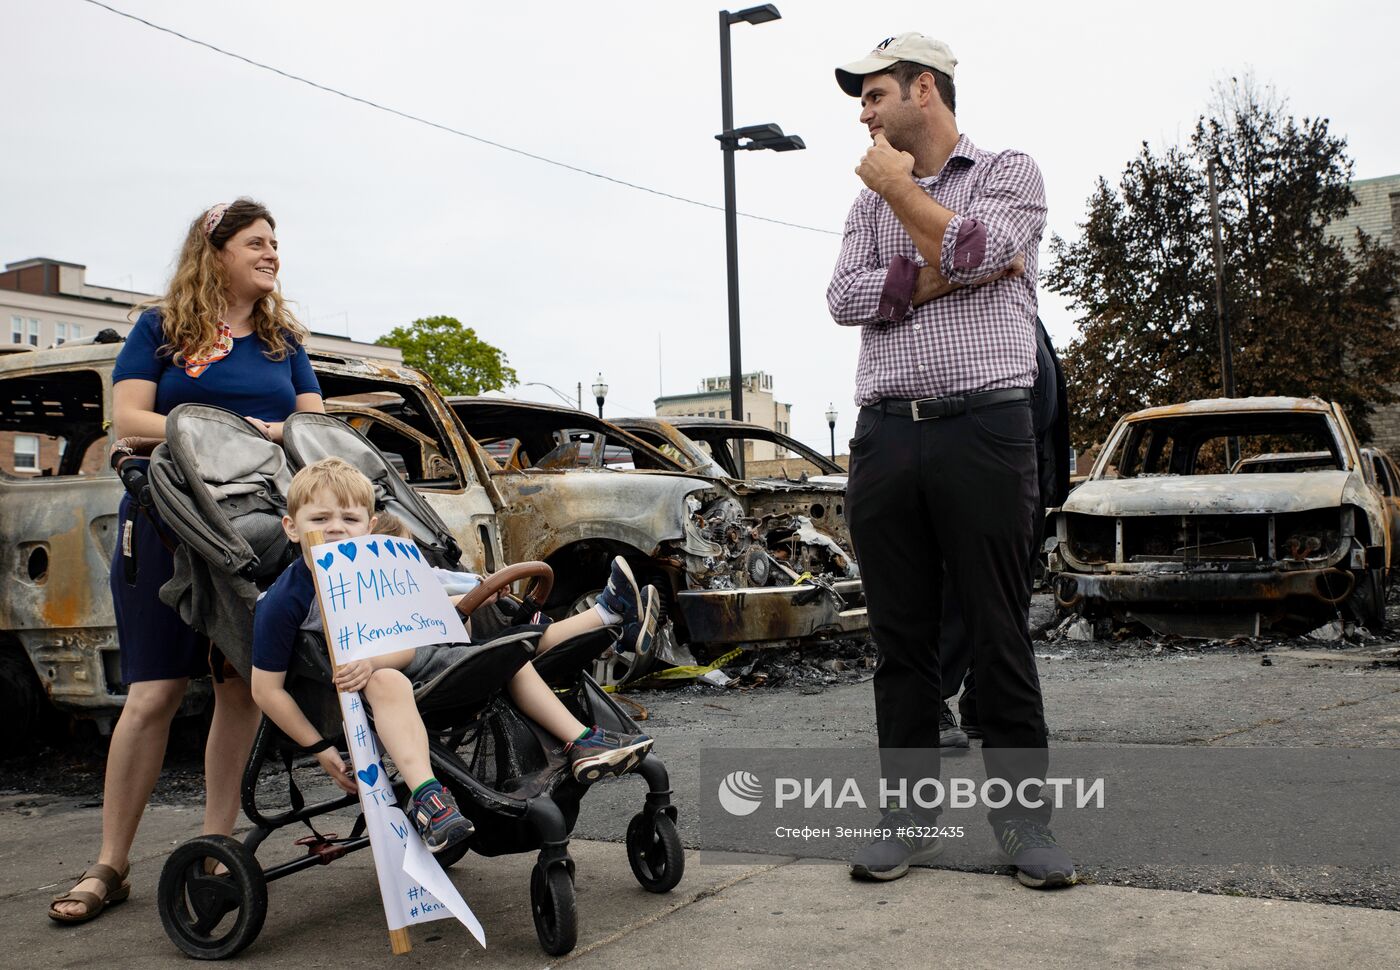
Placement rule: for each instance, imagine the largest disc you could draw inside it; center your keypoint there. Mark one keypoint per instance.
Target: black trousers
(954, 652)
(959, 491)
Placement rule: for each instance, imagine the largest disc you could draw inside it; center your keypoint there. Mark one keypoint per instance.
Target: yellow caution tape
(692, 671)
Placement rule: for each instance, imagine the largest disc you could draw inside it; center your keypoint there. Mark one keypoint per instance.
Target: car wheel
(1367, 602)
(615, 667)
(21, 697)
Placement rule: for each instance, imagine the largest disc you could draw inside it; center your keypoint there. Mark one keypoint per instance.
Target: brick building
(48, 302)
(1377, 213)
(760, 407)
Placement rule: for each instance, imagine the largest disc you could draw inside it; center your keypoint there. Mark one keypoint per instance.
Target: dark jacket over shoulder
(1050, 410)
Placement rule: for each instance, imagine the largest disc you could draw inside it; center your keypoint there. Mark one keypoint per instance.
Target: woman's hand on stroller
(270, 429)
(353, 676)
(339, 771)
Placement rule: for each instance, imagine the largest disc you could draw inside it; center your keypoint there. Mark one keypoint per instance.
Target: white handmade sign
(378, 594)
(412, 884)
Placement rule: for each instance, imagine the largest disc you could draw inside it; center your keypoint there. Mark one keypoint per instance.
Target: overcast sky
(115, 136)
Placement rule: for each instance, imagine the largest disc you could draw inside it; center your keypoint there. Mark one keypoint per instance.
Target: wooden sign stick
(399, 941)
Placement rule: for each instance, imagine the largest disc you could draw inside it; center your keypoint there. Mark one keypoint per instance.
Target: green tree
(1310, 313)
(457, 360)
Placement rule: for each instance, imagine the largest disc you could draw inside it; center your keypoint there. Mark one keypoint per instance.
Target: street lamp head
(756, 15)
(831, 414)
(600, 389)
(768, 136)
(788, 143)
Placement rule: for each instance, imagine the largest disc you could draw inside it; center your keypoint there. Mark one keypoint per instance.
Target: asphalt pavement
(778, 912)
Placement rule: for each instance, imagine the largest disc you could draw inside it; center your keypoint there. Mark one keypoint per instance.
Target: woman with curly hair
(221, 335)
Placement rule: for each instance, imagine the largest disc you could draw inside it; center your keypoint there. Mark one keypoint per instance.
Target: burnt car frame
(58, 644)
(740, 563)
(1161, 532)
(706, 445)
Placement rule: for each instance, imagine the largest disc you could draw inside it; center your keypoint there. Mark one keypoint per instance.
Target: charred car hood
(1214, 494)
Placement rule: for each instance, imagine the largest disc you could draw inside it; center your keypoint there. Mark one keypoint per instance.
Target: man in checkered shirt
(938, 269)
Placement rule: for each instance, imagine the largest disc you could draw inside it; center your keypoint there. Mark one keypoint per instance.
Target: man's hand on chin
(885, 169)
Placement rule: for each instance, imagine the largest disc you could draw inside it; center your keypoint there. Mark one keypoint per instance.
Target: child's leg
(537, 702)
(571, 626)
(399, 725)
(591, 752)
(398, 660)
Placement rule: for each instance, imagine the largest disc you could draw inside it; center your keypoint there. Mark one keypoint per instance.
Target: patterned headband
(213, 217)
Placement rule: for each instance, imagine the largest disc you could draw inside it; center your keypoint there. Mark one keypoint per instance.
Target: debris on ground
(810, 668)
(1328, 631)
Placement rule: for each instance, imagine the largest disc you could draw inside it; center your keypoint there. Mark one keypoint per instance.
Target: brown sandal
(118, 889)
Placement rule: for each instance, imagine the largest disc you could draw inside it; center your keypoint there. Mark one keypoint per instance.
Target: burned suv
(1170, 532)
(58, 512)
(738, 562)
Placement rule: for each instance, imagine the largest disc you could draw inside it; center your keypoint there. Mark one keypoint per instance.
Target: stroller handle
(538, 590)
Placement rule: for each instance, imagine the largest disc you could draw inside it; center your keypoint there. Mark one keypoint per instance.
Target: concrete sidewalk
(780, 914)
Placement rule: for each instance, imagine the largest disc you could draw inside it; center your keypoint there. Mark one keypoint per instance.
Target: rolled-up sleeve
(857, 293)
(1005, 218)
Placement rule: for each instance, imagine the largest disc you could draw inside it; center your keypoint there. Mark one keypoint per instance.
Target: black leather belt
(928, 408)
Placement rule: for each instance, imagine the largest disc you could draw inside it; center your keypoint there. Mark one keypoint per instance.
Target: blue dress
(155, 643)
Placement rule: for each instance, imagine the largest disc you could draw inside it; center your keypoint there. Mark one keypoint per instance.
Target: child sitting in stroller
(335, 498)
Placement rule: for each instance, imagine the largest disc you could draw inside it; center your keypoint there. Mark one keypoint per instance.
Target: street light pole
(831, 423)
(731, 230)
(752, 138)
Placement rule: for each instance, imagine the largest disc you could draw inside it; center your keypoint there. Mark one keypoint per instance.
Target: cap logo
(883, 44)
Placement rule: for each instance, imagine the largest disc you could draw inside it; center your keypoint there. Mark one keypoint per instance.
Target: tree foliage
(457, 360)
(1310, 313)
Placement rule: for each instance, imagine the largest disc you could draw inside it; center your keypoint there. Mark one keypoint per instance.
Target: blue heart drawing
(402, 548)
(389, 548)
(370, 775)
(325, 561)
(348, 550)
(414, 550)
(373, 547)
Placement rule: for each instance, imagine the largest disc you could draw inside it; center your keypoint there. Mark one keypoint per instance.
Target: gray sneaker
(1039, 860)
(890, 857)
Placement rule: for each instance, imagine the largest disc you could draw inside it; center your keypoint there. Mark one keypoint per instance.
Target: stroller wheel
(654, 851)
(209, 916)
(555, 909)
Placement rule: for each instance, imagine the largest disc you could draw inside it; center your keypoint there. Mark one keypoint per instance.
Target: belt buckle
(914, 409)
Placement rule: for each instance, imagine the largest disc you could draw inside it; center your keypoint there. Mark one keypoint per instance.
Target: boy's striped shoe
(601, 754)
(436, 817)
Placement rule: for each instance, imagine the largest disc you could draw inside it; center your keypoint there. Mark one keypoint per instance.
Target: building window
(16, 330)
(60, 333)
(26, 452)
(1074, 461)
(33, 332)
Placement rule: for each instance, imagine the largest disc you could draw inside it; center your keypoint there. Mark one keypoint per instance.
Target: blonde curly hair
(197, 300)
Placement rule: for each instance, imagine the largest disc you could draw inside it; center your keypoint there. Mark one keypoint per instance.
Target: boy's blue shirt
(280, 614)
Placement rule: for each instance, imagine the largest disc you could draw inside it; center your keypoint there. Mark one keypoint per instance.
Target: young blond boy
(333, 497)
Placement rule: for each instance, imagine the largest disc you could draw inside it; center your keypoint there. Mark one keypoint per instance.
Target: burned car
(738, 562)
(1167, 533)
(58, 514)
(1382, 474)
(709, 445)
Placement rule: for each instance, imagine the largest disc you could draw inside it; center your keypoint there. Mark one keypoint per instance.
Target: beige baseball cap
(905, 47)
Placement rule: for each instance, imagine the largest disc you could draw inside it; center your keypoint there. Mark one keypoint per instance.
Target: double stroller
(220, 487)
